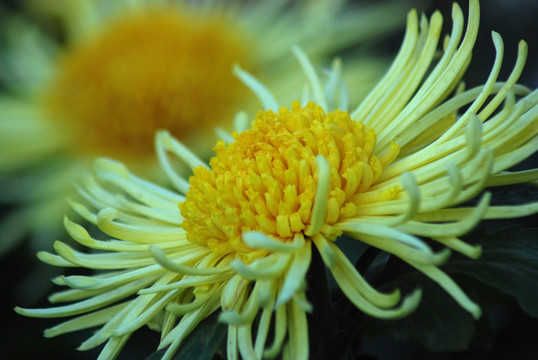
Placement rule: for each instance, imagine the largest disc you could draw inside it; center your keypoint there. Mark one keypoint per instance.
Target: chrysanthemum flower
(238, 236)
(129, 68)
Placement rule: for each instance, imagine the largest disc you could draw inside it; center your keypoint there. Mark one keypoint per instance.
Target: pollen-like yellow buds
(269, 179)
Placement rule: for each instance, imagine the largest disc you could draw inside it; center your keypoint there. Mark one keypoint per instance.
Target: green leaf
(509, 263)
(514, 194)
(439, 323)
(202, 343)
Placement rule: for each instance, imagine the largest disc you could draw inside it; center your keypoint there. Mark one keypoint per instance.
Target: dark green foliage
(202, 343)
(508, 265)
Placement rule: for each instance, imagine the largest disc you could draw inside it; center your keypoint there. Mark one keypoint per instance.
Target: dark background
(514, 332)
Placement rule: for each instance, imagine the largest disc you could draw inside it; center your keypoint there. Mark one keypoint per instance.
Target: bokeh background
(513, 332)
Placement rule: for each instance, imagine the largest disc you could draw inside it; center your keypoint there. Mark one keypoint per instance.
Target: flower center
(267, 179)
(149, 71)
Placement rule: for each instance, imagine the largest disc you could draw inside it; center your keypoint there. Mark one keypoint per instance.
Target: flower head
(238, 236)
(130, 69)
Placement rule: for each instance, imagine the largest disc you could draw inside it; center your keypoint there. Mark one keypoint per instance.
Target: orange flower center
(155, 70)
(267, 179)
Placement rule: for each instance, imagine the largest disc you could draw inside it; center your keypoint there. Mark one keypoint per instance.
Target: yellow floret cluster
(266, 180)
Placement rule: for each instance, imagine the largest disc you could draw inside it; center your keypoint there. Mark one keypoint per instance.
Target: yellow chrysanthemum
(238, 235)
(131, 68)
